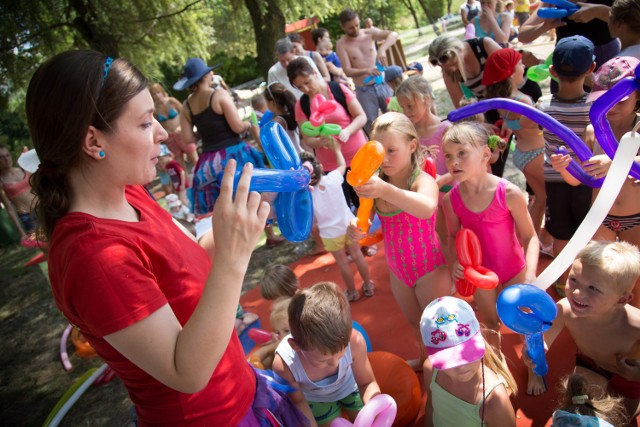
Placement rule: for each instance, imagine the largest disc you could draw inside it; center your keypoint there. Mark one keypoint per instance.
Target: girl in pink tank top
(495, 210)
(406, 199)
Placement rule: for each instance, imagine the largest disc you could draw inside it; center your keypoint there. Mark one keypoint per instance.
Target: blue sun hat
(194, 69)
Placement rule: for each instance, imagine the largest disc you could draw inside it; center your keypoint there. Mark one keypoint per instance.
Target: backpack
(337, 93)
(471, 13)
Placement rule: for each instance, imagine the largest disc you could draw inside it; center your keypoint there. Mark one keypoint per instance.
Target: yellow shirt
(521, 6)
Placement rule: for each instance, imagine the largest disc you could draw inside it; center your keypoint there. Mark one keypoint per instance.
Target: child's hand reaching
(560, 162)
(457, 271)
(597, 166)
(344, 135)
(372, 189)
(354, 232)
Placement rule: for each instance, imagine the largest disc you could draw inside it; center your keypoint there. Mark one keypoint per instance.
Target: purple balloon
(598, 116)
(544, 120)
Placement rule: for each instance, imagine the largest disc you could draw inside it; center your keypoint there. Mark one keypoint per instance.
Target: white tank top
(330, 389)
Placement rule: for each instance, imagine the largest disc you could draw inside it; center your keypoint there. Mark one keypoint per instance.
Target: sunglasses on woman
(442, 59)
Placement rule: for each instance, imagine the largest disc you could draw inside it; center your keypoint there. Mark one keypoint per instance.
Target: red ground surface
(389, 331)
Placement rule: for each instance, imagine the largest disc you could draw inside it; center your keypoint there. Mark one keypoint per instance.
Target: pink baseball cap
(610, 73)
(451, 333)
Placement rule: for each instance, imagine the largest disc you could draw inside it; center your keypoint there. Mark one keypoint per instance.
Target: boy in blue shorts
(572, 61)
(323, 358)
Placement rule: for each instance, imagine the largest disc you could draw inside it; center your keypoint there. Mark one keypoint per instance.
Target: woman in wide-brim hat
(214, 114)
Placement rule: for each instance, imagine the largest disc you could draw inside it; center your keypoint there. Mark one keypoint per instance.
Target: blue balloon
(528, 310)
(379, 79)
(552, 13)
(278, 147)
(598, 116)
(544, 120)
(274, 180)
(563, 4)
(295, 214)
(375, 224)
(358, 327)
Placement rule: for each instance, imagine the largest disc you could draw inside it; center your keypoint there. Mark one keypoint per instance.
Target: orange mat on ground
(389, 331)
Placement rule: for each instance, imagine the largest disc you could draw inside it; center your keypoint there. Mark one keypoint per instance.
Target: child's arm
(427, 373)
(421, 201)
(499, 410)
(517, 204)
(362, 371)
(282, 370)
(559, 162)
(553, 332)
(175, 103)
(186, 126)
(341, 162)
(453, 226)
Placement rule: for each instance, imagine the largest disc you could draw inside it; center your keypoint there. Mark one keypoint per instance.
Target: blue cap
(414, 68)
(573, 56)
(392, 72)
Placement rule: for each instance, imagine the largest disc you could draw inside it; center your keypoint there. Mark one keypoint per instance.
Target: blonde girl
(467, 383)
(415, 96)
(406, 200)
(495, 210)
(503, 74)
(279, 320)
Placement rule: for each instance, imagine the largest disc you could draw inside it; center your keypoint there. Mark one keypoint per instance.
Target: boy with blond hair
(323, 358)
(605, 328)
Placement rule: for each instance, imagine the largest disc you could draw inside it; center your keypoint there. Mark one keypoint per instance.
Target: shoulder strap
(305, 105)
(338, 95)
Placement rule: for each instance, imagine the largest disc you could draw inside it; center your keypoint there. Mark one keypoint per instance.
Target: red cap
(500, 66)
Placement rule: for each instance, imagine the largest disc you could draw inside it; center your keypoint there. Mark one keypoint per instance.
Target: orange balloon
(364, 213)
(372, 239)
(83, 348)
(396, 378)
(365, 163)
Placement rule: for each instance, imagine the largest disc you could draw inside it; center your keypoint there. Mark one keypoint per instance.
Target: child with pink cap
(467, 383)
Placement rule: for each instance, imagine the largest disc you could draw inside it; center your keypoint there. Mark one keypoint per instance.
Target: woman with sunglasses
(462, 63)
(213, 112)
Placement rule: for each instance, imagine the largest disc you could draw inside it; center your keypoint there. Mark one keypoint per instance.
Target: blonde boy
(324, 358)
(605, 328)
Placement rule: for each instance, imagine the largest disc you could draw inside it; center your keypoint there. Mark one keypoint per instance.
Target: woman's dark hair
(296, 38)
(277, 93)
(298, 67)
(317, 34)
(67, 94)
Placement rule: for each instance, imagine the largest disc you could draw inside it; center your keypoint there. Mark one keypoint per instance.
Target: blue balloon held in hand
(528, 310)
(378, 79)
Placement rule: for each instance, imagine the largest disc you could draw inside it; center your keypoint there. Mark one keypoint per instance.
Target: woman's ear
(92, 145)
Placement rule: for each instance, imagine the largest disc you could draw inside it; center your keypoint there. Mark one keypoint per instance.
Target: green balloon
(330, 129)
(538, 73)
(310, 130)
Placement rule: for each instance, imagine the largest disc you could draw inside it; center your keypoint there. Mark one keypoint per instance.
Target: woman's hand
(372, 189)
(597, 166)
(344, 135)
(238, 222)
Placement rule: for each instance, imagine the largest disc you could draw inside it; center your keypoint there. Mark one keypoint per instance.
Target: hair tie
(493, 141)
(47, 169)
(580, 399)
(106, 67)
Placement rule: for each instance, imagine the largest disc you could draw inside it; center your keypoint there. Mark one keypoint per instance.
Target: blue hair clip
(106, 67)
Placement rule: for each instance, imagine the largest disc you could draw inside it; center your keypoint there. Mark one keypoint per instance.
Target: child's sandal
(368, 289)
(352, 296)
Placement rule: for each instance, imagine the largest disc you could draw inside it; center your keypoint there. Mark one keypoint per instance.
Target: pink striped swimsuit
(411, 245)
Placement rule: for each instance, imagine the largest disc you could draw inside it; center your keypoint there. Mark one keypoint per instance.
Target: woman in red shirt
(158, 307)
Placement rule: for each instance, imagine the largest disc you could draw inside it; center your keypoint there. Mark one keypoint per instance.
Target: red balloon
(465, 288)
(430, 166)
(481, 277)
(468, 248)
(259, 336)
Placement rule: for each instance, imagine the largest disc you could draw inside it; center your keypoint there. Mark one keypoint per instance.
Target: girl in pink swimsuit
(495, 210)
(406, 199)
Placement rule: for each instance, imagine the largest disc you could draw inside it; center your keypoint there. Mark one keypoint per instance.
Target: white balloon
(620, 167)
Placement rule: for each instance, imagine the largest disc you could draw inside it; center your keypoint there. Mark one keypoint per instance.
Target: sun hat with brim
(193, 71)
(500, 66)
(612, 72)
(451, 333)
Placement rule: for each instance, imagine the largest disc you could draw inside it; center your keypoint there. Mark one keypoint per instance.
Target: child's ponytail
(497, 365)
(583, 398)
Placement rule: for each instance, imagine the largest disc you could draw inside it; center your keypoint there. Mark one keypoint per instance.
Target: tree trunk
(409, 6)
(430, 17)
(268, 28)
(86, 22)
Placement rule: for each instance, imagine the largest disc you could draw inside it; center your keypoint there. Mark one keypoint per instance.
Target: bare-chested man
(605, 328)
(358, 56)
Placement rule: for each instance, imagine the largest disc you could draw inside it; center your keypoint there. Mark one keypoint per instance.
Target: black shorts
(566, 208)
